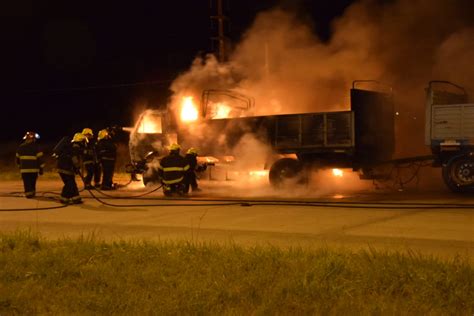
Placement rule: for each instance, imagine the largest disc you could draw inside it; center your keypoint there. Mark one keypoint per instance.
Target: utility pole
(220, 38)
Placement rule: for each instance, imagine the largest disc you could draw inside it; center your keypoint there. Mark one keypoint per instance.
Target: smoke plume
(288, 69)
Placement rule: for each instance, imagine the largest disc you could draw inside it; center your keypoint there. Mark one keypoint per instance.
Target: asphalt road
(444, 232)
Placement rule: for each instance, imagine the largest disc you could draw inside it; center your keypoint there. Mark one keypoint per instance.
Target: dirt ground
(439, 232)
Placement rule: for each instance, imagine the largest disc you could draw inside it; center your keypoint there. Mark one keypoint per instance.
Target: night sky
(65, 63)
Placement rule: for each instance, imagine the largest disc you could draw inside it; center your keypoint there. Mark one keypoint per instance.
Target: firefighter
(107, 153)
(172, 171)
(191, 159)
(29, 159)
(90, 162)
(68, 165)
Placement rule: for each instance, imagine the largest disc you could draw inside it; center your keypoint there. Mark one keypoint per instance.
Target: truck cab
(150, 136)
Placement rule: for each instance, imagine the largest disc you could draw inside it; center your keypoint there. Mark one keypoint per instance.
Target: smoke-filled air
(286, 68)
(283, 66)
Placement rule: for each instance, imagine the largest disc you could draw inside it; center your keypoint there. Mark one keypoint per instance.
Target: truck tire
(286, 171)
(458, 174)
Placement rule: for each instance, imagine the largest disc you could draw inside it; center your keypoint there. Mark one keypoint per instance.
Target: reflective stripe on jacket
(89, 154)
(29, 158)
(69, 158)
(172, 168)
(106, 149)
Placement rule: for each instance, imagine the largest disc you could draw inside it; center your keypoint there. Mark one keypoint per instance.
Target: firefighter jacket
(69, 158)
(89, 155)
(191, 159)
(172, 168)
(29, 157)
(106, 149)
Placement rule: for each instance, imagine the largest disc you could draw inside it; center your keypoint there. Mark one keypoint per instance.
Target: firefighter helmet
(87, 131)
(31, 136)
(103, 133)
(192, 151)
(78, 137)
(175, 147)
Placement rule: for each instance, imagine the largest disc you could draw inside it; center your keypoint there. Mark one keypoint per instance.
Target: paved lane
(442, 232)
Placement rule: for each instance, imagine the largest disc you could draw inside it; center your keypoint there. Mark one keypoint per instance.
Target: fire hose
(329, 204)
(248, 202)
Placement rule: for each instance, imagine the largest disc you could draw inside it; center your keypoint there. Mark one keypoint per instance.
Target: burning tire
(287, 171)
(458, 174)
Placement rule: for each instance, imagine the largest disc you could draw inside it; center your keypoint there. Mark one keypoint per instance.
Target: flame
(258, 173)
(337, 172)
(222, 110)
(207, 159)
(189, 110)
(150, 124)
(212, 160)
(229, 159)
(292, 156)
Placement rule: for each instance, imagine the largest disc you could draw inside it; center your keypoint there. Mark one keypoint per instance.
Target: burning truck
(362, 138)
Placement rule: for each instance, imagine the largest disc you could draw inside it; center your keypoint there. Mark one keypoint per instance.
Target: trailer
(359, 138)
(362, 138)
(449, 131)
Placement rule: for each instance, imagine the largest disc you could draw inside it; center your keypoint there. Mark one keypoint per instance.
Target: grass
(89, 276)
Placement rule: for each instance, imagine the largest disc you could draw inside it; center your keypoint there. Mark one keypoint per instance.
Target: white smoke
(287, 69)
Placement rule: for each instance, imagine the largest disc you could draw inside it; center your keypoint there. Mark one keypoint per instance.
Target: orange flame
(258, 173)
(189, 110)
(150, 124)
(222, 110)
(207, 159)
(229, 158)
(337, 173)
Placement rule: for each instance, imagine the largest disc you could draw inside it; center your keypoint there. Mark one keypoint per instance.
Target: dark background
(66, 65)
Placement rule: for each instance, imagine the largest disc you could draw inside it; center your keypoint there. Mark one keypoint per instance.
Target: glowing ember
(150, 124)
(292, 156)
(189, 111)
(229, 159)
(207, 159)
(221, 110)
(337, 172)
(258, 173)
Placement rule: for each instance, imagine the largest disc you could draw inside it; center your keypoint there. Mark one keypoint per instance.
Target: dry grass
(87, 276)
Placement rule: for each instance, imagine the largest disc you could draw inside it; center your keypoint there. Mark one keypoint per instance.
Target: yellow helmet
(192, 151)
(78, 137)
(103, 133)
(87, 131)
(174, 147)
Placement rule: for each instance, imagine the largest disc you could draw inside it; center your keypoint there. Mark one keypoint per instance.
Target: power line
(98, 87)
(221, 39)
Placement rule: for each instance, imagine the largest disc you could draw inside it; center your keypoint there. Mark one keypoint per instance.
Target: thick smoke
(288, 69)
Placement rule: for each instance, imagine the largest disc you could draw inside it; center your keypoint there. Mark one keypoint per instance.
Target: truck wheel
(286, 171)
(458, 174)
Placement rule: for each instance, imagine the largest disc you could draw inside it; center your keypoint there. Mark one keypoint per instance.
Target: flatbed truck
(362, 138)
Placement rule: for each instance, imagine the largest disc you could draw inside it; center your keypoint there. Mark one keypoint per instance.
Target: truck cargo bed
(452, 122)
(313, 130)
(308, 132)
